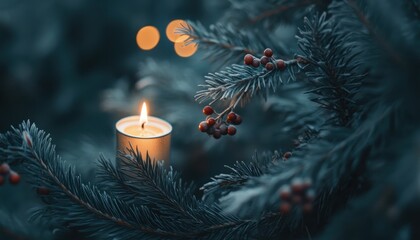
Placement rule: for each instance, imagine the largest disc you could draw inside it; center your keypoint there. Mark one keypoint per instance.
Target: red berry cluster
(5, 170)
(216, 126)
(299, 194)
(287, 155)
(267, 61)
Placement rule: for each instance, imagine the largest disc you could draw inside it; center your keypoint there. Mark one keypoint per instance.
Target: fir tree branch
(153, 185)
(239, 174)
(240, 81)
(333, 72)
(98, 214)
(69, 194)
(324, 164)
(110, 178)
(242, 172)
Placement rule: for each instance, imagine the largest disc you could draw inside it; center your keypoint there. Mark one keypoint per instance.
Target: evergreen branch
(223, 43)
(242, 172)
(239, 174)
(161, 188)
(333, 76)
(164, 192)
(110, 178)
(334, 179)
(165, 207)
(69, 194)
(243, 82)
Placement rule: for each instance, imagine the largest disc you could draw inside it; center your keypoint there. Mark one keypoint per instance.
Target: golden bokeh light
(172, 28)
(147, 37)
(184, 50)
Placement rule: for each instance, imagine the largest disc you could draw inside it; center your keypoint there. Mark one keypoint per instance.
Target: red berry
(264, 60)
(223, 129)
(210, 131)
(248, 59)
(310, 196)
(43, 191)
(217, 134)
(268, 52)
(1, 180)
(203, 127)
(4, 168)
(285, 208)
(269, 66)
(238, 120)
(207, 110)
(231, 130)
(231, 117)
(296, 199)
(14, 178)
(211, 121)
(307, 183)
(307, 208)
(255, 63)
(285, 193)
(287, 155)
(297, 186)
(281, 65)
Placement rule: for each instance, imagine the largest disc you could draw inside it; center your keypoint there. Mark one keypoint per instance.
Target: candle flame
(143, 115)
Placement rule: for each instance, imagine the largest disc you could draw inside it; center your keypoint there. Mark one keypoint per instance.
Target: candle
(150, 135)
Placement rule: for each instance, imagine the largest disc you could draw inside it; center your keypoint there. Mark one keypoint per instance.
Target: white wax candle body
(154, 138)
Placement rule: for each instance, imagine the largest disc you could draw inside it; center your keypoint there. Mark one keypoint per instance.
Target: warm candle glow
(143, 115)
(147, 134)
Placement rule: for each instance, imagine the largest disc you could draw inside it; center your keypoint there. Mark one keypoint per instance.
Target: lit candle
(150, 135)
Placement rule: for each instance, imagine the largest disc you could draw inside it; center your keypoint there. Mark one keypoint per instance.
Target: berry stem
(228, 109)
(235, 101)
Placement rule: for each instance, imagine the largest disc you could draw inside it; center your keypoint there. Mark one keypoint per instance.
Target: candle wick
(142, 125)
